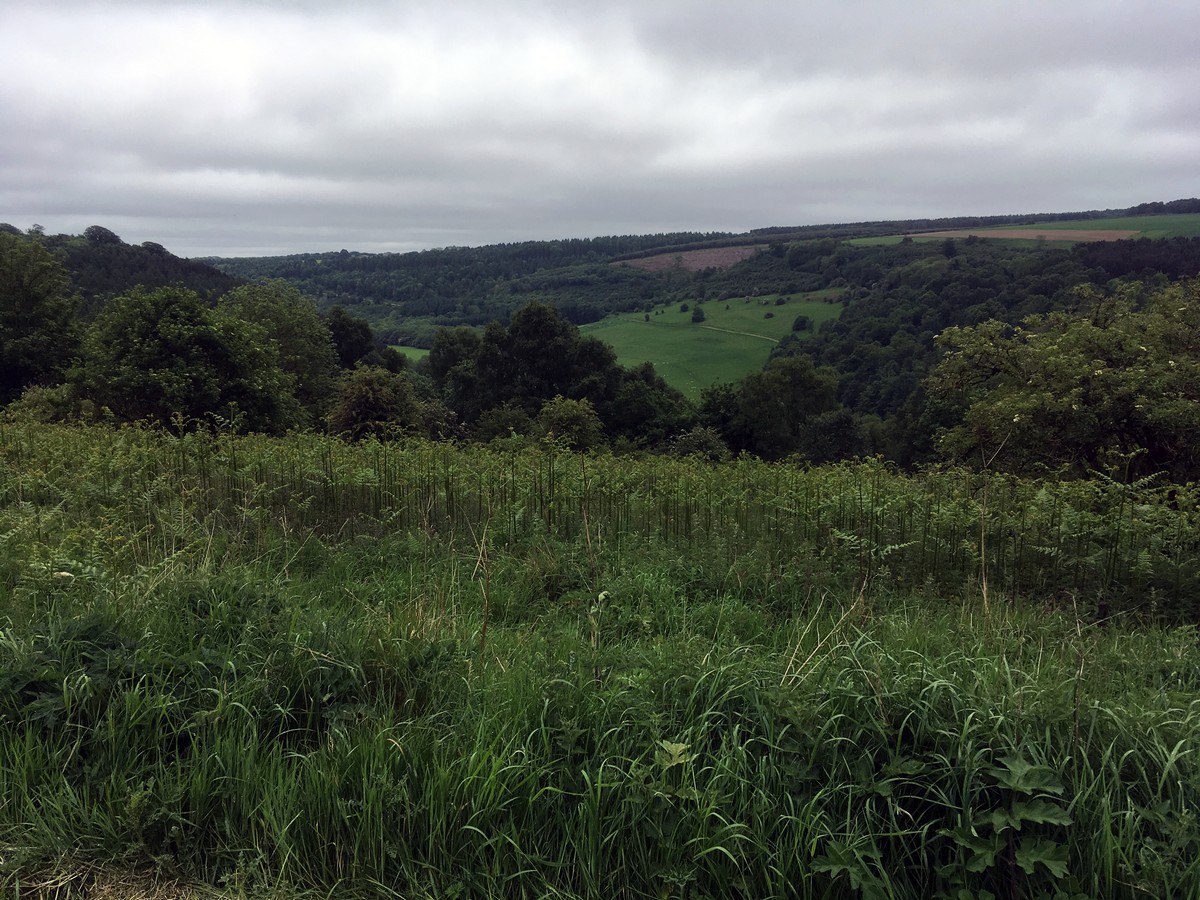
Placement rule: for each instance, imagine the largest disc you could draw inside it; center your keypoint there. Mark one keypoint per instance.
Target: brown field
(694, 260)
(1033, 233)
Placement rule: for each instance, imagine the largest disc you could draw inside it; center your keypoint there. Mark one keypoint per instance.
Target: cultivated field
(734, 340)
(694, 260)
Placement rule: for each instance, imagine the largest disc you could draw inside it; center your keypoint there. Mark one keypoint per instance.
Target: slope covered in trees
(405, 296)
(101, 265)
(884, 345)
(876, 380)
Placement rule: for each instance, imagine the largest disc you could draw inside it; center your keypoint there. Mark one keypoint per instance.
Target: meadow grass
(734, 340)
(414, 354)
(1183, 225)
(299, 668)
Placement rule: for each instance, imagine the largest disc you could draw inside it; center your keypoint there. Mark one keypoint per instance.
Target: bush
(701, 441)
(371, 401)
(573, 422)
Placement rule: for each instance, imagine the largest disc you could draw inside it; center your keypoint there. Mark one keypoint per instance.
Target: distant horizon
(247, 252)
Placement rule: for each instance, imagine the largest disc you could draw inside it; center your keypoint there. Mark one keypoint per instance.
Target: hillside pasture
(1075, 235)
(414, 354)
(1184, 225)
(735, 338)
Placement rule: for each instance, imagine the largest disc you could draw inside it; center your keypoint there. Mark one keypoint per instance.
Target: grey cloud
(242, 127)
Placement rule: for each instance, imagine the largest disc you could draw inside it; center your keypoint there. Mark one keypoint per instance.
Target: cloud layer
(257, 127)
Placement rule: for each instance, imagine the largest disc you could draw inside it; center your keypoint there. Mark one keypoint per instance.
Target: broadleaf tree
(38, 334)
(163, 356)
(1114, 388)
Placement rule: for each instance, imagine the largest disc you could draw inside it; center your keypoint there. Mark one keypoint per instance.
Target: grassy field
(1146, 227)
(734, 340)
(414, 354)
(295, 668)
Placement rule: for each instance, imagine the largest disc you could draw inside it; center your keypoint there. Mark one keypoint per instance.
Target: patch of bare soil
(1033, 233)
(694, 260)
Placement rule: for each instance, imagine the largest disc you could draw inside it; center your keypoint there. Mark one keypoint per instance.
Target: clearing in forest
(735, 338)
(694, 260)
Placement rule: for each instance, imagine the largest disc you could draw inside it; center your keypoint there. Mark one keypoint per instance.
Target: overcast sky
(247, 128)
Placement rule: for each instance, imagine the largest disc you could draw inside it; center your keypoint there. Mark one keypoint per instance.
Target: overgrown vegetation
(301, 667)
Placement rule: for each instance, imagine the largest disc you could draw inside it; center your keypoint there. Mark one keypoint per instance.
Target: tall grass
(129, 500)
(260, 667)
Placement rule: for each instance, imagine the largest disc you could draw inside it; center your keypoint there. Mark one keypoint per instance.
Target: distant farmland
(694, 260)
(1080, 230)
(1033, 233)
(1064, 231)
(735, 338)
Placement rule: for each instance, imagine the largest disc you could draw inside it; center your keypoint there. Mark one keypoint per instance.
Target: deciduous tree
(38, 333)
(163, 355)
(1119, 380)
(302, 341)
(373, 402)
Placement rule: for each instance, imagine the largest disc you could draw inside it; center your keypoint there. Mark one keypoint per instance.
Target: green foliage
(352, 338)
(781, 411)
(541, 356)
(38, 334)
(701, 441)
(98, 234)
(897, 298)
(1080, 392)
(372, 402)
(302, 341)
(163, 356)
(507, 420)
(101, 266)
(1026, 802)
(573, 423)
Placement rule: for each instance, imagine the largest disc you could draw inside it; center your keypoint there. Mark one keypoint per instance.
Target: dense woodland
(939, 345)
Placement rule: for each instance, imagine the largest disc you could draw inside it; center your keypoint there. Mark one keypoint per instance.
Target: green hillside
(1152, 226)
(1187, 225)
(735, 338)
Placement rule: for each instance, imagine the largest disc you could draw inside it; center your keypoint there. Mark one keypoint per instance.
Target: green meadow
(1146, 226)
(414, 354)
(734, 339)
